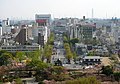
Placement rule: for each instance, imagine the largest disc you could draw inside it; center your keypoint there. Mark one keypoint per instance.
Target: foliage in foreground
(88, 80)
(57, 73)
(116, 76)
(107, 70)
(18, 81)
(37, 64)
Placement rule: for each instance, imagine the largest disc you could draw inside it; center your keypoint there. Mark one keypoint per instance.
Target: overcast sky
(26, 9)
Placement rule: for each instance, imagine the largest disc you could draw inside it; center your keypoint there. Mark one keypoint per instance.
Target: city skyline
(26, 9)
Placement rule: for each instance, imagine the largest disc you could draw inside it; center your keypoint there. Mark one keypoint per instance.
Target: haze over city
(26, 9)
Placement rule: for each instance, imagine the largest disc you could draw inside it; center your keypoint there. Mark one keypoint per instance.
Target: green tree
(5, 57)
(74, 56)
(20, 56)
(117, 76)
(48, 52)
(65, 39)
(87, 80)
(37, 64)
(74, 40)
(37, 54)
(51, 39)
(18, 81)
(92, 53)
(107, 70)
(69, 54)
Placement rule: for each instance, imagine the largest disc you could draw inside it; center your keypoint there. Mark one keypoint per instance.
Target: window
(91, 59)
(86, 60)
(96, 60)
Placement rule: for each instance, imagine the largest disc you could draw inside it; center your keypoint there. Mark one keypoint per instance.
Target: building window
(96, 60)
(91, 60)
(86, 59)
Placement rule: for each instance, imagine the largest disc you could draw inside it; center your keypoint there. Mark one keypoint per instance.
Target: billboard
(41, 21)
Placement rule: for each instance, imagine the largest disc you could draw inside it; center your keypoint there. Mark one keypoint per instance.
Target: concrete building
(0, 29)
(14, 48)
(90, 60)
(24, 35)
(42, 31)
(43, 19)
(81, 31)
(6, 26)
(80, 49)
(115, 32)
(60, 25)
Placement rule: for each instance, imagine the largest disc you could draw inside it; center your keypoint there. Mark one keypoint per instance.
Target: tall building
(0, 28)
(81, 31)
(115, 32)
(42, 30)
(6, 26)
(24, 35)
(40, 39)
(43, 19)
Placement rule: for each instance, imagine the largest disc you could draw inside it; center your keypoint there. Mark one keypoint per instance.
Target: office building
(81, 31)
(43, 19)
(42, 30)
(15, 48)
(24, 35)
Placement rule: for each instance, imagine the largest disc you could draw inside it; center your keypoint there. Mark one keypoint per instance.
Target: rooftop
(92, 57)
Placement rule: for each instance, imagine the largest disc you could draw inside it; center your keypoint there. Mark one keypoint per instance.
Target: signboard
(41, 20)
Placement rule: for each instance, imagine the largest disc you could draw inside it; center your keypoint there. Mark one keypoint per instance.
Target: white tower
(0, 28)
(92, 13)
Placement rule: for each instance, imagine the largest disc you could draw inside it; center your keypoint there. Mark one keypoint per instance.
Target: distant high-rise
(43, 19)
(21, 38)
(23, 35)
(0, 28)
(40, 39)
(43, 22)
(83, 17)
(92, 13)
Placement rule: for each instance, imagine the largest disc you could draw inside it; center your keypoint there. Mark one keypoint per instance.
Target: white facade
(14, 48)
(5, 26)
(43, 30)
(0, 31)
(115, 32)
(46, 17)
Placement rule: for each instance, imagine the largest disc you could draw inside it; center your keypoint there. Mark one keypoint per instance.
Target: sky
(26, 9)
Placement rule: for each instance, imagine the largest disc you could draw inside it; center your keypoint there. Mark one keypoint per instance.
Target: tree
(48, 52)
(5, 57)
(74, 40)
(20, 56)
(65, 39)
(37, 54)
(74, 56)
(116, 76)
(37, 64)
(87, 80)
(51, 39)
(69, 54)
(92, 53)
(107, 70)
(18, 81)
